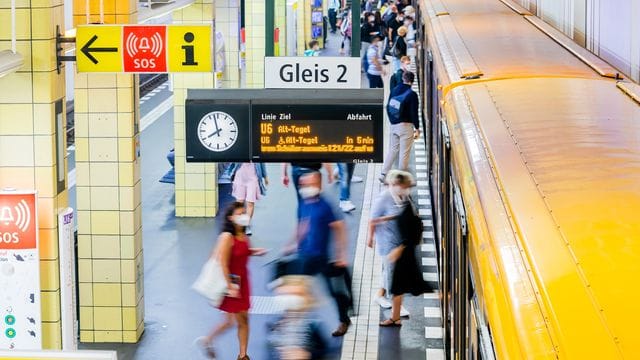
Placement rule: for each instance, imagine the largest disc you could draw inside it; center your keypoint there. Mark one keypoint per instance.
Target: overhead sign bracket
(60, 39)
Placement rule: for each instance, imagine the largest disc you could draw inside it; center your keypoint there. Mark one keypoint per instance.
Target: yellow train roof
(566, 155)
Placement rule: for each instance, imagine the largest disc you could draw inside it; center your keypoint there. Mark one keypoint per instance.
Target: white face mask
(242, 220)
(308, 192)
(372, 19)
(290, 302)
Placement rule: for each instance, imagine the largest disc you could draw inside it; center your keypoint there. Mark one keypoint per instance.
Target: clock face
(217, 131)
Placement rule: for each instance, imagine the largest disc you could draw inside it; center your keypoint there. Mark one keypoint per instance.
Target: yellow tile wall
(228, 23)
(28, 158)
(201, 177)
(281, 23)
(304, 23)
(27, 137)
(255, 35)
(108, 186)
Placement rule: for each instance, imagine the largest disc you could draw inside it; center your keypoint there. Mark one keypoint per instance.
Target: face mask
(242, 220)
(407, 23)
(290, 302)
(400, 18)
(308, 192)
(372, 19)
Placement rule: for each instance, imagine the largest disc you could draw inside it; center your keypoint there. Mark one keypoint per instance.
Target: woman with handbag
(232, 252)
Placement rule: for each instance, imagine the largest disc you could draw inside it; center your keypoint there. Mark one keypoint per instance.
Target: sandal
(246, 357)
(391, 323)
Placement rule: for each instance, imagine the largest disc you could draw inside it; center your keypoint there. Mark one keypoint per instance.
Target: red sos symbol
(145, 49)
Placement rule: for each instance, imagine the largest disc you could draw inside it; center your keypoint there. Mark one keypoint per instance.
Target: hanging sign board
(312, 72)
(20, 314)
(144, 48)
(284, 125)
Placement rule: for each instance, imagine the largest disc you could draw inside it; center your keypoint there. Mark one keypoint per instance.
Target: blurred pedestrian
(374, 60)
(317, 222)
(345, 30)
(384, 232)
(300, 168)
(232, 252)
(249, 184)
(334, 8)
(402, 110)
(399, 47)
(407, 276)
(396, 79)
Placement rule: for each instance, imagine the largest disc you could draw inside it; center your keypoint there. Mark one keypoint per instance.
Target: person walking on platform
(232, 252)
(396, 78)
(345, 30)
(345, 174)
(384, 232)
(300, 168)
(407, 276)
(317, 220)
(249, 184)
(334, 8)
(399, 48)
(374, 61)
(402, 109)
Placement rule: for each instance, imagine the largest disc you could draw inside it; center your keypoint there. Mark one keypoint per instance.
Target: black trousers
(333, 19)
(342, 297)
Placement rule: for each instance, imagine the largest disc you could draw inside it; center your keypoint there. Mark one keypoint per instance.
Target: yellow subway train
(535, 177)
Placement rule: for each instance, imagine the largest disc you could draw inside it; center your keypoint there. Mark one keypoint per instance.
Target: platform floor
(176, 248)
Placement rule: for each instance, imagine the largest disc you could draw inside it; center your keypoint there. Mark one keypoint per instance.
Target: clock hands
(217, 132)
(215, 121)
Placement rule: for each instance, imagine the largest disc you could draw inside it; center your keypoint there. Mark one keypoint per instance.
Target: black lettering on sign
(341, 78)
(288, 75)
(189, 57)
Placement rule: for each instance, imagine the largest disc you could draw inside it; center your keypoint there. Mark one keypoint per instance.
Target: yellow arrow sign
(99, 48)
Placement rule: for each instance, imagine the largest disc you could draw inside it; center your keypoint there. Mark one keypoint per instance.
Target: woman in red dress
(233, 253)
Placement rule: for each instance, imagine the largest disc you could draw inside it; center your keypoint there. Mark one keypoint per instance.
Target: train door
(459, 277)
(445, 209)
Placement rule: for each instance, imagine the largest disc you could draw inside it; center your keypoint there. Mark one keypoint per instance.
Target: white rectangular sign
(66, 252)
(20, 308)
(312, 72)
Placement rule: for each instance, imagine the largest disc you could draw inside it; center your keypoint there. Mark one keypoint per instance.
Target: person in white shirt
(334, 8)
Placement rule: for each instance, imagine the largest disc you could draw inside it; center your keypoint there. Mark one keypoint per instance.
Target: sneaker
(383, 302)
(404, 312)
(248, 231)
(356, 179)
(347, 206)
(207, 348)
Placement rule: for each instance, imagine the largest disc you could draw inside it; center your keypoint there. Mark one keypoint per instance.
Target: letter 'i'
(189, 58)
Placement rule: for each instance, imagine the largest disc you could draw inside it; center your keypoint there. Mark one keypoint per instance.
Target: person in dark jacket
(396, 79)
(406, 130)
(399, 47)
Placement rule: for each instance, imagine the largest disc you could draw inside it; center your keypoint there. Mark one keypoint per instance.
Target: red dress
(238, 266)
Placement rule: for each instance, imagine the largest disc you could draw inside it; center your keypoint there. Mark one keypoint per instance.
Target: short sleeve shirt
(316, 215)
(387, 235)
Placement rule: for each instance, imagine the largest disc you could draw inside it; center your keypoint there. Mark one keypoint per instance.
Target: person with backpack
(407, 276)
(396, 78)
(384, 232)
(374, 63)
(399, 48)
(402, 110)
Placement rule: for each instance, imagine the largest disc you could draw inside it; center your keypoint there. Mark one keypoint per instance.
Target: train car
(535, 178)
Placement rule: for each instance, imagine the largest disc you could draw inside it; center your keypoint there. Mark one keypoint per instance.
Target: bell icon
(6, 215)
(144, 44)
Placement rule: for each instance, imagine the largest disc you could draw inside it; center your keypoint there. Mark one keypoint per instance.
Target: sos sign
(18, 220)
(144, 49)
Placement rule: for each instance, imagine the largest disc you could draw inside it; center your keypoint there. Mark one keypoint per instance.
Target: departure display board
(278, 125)
(317, 133)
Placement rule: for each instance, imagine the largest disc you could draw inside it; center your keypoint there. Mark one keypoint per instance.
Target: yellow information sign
(144, 48)
(99, 48)
(189, 48)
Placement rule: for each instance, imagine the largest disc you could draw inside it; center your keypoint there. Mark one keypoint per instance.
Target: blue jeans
(346, 173)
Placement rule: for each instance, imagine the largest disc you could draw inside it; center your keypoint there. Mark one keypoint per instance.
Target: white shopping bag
(211, 282)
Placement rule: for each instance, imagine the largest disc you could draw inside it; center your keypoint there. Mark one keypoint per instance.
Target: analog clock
(217, 131)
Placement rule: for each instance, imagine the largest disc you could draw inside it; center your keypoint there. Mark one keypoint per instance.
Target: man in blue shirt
(317, 222)
(405, 130)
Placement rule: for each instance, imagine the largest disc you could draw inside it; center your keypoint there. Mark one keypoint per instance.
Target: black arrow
(87, 49)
